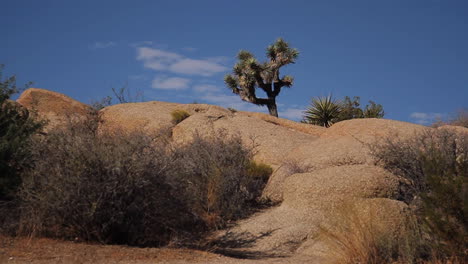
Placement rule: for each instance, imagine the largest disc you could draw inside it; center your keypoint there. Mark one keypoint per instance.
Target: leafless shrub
(293, 166)
(344, 161)
(459, 119)
(106, 188)
(130, 188)
(434, 169)
(221, 180)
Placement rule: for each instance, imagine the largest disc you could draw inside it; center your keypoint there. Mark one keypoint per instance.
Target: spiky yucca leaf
(244, 55)
(231, 82)
(280, 51)
(324, 111)
(288, 80)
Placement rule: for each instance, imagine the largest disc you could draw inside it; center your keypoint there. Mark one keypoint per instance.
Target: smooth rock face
(272, 142)
(55, 107)
(151, 116)
(317, 170)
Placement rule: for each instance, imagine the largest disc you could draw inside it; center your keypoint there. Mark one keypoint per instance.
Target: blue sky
(411, 56)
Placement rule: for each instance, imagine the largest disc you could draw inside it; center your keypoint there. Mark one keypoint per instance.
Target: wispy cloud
(292, 113)
(204, 88)
(142, 43)
(162, 60)
(102, 45)
(426, 118)
(172, 83)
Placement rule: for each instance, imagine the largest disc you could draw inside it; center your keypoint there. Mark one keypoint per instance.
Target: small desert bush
(233, 110)
(221, 181)
(179, 116)
(135, 189)
(434, 169)
(109, 188)
(459, 119)
(363, 236)
(293, 166)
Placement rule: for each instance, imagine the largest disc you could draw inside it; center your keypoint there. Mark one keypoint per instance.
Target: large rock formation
(55, 107)
(317, 170)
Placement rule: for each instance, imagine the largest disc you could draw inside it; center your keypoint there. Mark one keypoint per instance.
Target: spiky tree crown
(249, 74)
(324, 111)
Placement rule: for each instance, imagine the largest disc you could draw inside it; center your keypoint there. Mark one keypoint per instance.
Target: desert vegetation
(130, 188)
(357, 237)
(249, 75)
(179, 116)
(77, 182)
(433, 167)
(460, 118)
(17, 125)
(325, 111)
(84, 181)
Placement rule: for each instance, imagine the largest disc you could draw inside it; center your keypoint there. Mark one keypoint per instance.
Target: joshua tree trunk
(272, 107)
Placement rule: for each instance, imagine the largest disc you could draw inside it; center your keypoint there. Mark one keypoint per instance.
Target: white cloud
(142, 43)
(426, 118)
(102, 45)
(206, 88)
(292, 113)
(219, 59)
(196, 67)
(161, 60)
(173, 83)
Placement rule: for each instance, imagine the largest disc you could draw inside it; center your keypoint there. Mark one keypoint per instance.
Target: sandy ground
(42, 250)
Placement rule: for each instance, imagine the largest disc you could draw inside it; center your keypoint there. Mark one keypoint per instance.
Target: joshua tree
(249, 74)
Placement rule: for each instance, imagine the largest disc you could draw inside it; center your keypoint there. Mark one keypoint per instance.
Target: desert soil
(43, 250)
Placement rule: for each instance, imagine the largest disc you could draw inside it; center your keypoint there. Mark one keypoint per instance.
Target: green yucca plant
(324, 111)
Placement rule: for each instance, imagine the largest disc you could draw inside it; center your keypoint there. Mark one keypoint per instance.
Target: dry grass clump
(179, 116)
(135, 189)
(355, 236)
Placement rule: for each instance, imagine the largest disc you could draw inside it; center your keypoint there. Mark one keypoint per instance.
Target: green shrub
(434, 166)
(179, 116)
(373, 110)
(17, 125)
(324, 111)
